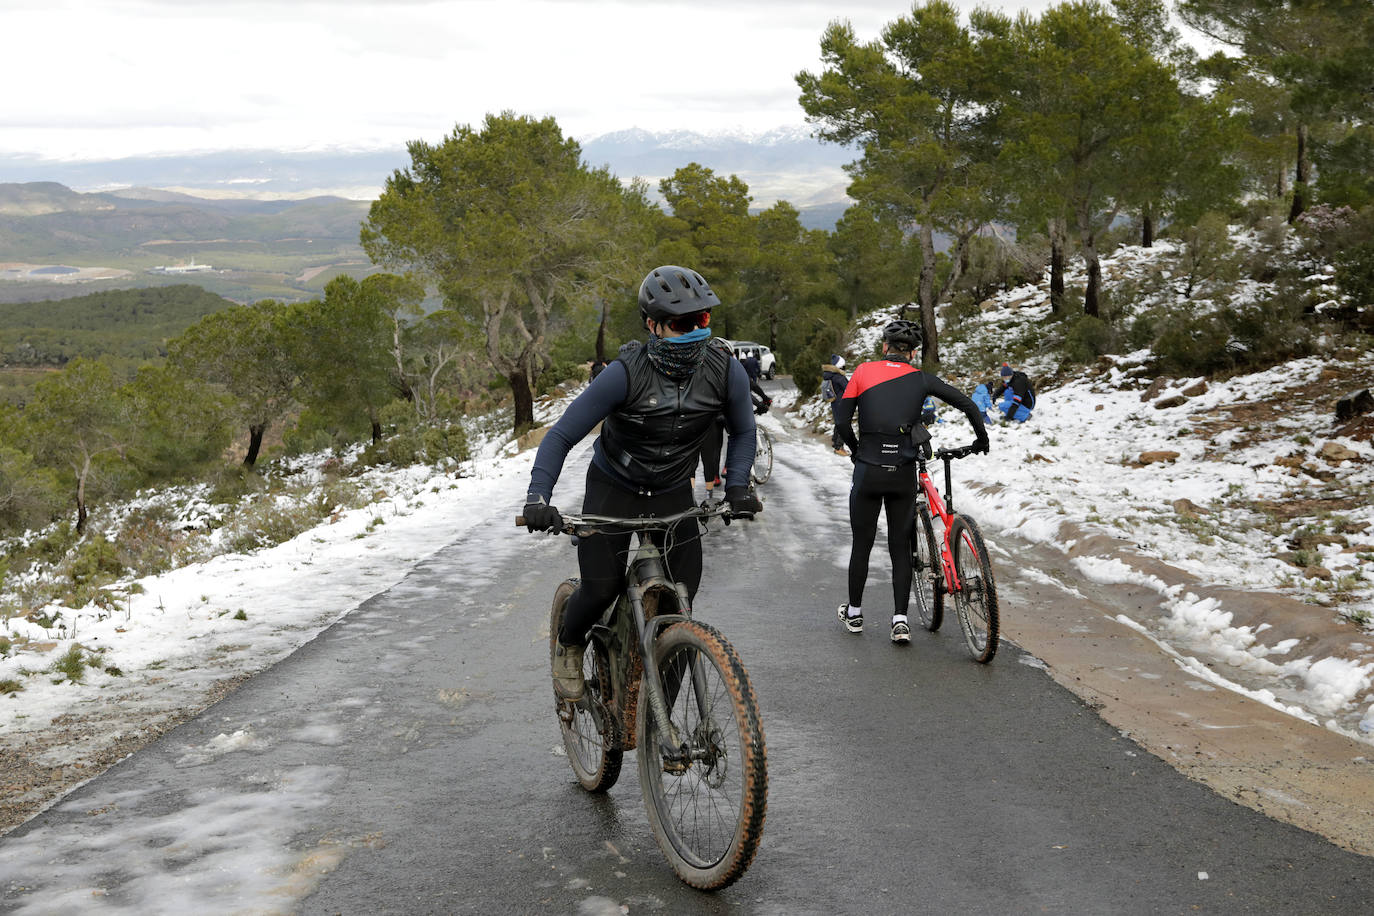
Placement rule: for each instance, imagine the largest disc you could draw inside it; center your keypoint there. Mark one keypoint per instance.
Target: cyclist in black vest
(658, 401)
(889, 394)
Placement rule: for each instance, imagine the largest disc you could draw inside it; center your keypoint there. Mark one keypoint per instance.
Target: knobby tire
(976, 601)
(926, 574)
(707, 814)
(591, 738)
(763, 456)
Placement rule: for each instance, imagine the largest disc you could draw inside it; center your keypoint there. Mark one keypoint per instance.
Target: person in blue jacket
(982, 399)
(1015, 393)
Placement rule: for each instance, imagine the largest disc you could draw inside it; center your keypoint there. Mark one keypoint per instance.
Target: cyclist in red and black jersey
(888, 394)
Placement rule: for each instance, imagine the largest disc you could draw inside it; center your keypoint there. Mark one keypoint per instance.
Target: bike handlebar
(946, 454)
(583, 525)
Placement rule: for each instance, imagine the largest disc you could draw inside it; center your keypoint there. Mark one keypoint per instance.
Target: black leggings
(602, 558)
(894, 490)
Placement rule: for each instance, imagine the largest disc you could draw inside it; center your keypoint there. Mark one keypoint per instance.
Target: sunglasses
(683, 324)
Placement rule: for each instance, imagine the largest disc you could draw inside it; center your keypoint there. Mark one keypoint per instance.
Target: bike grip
(520, 521)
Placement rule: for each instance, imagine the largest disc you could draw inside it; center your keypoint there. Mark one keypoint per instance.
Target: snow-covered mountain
(779, 163)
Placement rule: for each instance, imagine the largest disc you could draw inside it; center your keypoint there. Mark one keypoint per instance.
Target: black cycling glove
(540, 516)
(743, 502)
(981, 446)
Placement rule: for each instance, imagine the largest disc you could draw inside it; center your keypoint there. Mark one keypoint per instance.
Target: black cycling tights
(602, 557)
(876, 488)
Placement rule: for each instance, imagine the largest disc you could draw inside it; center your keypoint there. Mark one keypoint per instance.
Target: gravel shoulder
(1257, 756)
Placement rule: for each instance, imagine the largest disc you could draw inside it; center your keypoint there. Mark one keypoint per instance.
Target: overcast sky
(96, 79)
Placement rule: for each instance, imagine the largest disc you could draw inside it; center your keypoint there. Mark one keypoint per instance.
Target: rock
(1335, 453)
(1328, 375)
(1187, 508)
(1158, 456)
(1316, 572)
(1313, 541)
(1353, 405)
(1099, 406)
(1195, 389)
(1290, 461)
(1155, 388)
(1175, 401)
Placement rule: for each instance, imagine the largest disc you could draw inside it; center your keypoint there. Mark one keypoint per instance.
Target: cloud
(171, 75)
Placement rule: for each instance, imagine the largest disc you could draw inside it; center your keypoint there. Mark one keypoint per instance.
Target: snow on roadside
(173, 637)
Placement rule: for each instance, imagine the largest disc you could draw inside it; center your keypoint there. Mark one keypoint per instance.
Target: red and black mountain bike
(955, 563)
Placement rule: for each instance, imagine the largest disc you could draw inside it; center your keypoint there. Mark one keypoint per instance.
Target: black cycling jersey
(888, 394)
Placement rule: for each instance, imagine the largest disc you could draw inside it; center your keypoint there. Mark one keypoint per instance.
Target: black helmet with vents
(903, 335)
(670, 291)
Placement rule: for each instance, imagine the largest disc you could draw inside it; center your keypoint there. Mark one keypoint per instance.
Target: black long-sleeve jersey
(888, 395)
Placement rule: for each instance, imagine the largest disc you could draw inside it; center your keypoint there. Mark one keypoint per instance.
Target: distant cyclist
(658, 400)
(888, 394)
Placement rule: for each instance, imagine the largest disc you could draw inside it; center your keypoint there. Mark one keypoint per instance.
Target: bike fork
(671, 742)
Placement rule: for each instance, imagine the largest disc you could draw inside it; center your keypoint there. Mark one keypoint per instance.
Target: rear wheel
(706, 800)
(926, 575)
(590, 734)
(763, 456)
(975, 602)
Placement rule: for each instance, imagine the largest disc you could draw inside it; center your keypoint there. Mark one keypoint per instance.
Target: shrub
(561, 371)
(415, 440)
(150, 541)
(265, 524)
(71, 665)
(94, 561)
(1088, 338)
(1193, 345)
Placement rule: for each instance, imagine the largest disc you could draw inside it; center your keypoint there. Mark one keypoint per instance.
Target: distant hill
(129, 325)
(47, 221)
(785, 163)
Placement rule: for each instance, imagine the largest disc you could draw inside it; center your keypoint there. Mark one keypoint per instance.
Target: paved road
(407, 761)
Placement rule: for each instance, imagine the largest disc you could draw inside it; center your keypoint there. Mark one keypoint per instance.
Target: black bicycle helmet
(903, 335)
(669, 291)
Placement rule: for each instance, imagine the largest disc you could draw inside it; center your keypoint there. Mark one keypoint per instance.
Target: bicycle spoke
(706, 798)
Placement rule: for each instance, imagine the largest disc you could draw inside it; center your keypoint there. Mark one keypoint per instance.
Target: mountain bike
(956, 563)
(763, 456)
(675, 689)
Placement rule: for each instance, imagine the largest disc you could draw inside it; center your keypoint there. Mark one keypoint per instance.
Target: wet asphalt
(408, 760)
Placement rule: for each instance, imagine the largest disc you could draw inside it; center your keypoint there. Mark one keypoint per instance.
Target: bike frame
(944, 510)
(628, 631)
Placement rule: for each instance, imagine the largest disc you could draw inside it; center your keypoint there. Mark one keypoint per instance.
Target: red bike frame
(944, 509)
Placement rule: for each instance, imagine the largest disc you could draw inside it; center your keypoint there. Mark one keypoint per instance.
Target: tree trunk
(925, 294)
(1147, 228)
(1058, 242)
(255, 434)
(601, 332)
(524, 399)
(1300, 177)
(1090, 296)
(81, 497)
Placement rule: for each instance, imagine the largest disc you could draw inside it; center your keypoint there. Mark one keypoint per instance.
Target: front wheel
(763, 456)
(706, 799)
(926, 574)
(590, 733)
(975, 602)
